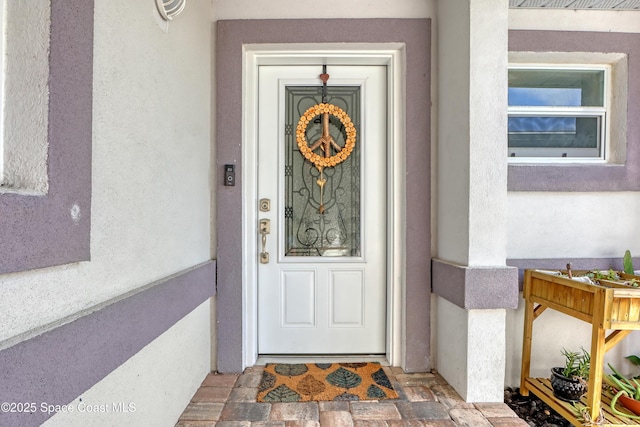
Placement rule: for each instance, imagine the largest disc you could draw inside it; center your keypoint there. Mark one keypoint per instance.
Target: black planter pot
(567, 389)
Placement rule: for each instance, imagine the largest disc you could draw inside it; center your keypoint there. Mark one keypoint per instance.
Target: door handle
(264, 228)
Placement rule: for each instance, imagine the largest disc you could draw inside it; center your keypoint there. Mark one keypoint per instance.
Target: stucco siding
(150, 194)
(151, 145)
(153, 387)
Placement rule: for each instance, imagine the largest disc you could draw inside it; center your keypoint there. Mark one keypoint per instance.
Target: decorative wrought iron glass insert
(335, 231)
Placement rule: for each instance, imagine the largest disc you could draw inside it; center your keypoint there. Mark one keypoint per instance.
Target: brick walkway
(425, 400)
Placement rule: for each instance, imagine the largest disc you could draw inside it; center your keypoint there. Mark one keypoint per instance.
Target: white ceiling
(577, 4)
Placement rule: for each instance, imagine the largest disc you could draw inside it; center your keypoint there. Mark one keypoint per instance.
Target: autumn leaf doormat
(324, 381)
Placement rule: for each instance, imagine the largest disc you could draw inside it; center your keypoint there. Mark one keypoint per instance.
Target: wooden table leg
(527, 336)
(595, 376)
(598, 349)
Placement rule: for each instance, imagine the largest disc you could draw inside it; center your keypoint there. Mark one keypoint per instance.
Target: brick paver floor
(425, 400)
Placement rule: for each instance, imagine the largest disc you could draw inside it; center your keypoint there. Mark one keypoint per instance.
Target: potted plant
(569, 383)
(627, 391)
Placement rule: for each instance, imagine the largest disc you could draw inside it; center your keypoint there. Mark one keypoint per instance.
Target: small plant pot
(631, 404)
(567, 389)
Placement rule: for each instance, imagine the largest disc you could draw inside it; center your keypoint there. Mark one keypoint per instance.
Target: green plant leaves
(633, 359)
(627, 262)
(576, 364)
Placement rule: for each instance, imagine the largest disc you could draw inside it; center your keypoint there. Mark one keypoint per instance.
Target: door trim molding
(391, 55)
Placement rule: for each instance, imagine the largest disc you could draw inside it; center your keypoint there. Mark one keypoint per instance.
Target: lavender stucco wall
(58, 366)
(476, 287)
(592, 177)
(416, 35)
(40, 231)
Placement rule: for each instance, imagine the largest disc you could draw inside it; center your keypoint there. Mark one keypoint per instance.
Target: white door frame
(392, 55)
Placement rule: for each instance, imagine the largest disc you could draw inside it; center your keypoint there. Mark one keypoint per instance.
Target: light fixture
(170, 8)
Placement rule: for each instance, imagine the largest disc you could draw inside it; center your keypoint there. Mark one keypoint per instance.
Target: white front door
(322, 286)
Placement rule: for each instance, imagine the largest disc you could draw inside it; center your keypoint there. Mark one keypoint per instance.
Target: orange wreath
(325, 142)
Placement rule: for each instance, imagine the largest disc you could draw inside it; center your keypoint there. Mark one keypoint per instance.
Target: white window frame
(573, 155)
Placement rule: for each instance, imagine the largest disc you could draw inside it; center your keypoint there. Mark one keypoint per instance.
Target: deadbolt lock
(265, 205)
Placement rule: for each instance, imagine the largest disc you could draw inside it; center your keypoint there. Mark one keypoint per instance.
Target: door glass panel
(336, 231)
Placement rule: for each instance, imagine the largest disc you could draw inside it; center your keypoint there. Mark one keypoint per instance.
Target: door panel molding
(347, 286)
(294, 283)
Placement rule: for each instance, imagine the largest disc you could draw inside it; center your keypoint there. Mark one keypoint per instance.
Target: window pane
(554, 132)
(542, 124)
(565, 88)
(545, 97)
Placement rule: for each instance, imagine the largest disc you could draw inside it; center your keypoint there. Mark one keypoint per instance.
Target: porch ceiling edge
(473, 288)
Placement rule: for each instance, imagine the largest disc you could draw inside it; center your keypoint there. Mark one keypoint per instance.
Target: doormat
(323, 382)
